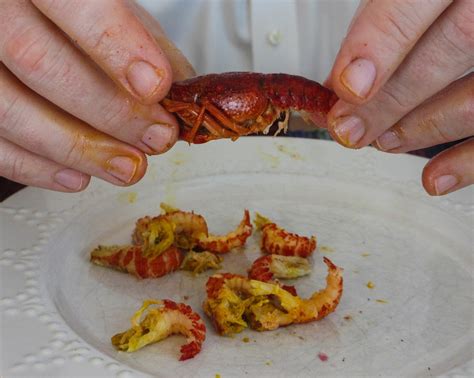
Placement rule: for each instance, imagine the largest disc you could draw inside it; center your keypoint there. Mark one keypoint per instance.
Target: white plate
(59, 311)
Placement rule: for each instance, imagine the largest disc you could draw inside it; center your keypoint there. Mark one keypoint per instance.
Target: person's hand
(80, 83)
(399, 76)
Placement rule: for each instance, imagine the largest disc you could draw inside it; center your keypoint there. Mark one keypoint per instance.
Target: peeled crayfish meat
(235, 302)
(198, 262)
(159, 323)
(225, 243)
(191, 231)
(188, 226)
(269, 267)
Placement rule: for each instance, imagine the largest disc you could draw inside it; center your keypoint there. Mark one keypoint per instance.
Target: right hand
(80, 83)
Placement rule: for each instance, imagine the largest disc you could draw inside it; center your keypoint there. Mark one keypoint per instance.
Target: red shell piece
(130, 259)
(198, 329)
(276, 240)
(215, 283)
(235, 239)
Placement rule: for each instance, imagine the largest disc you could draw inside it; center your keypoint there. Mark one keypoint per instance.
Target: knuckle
(465, 25)
(8, 110)
(16, 166)
(437, 127)
(398, 29)
(468, 108)
(75, 150)
(48, 5)
(27, 52)
(398, 97)
(458, 32)
(116, 112)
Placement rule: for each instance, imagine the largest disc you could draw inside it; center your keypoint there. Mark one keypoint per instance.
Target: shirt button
(274, 37)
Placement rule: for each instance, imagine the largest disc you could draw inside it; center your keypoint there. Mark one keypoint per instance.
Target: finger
(36, 125)
(447, 117)
(180, 66)
(450, 170)
(380, 37)
(443, 54)
(24, 167)
(362, 3)
(114, 38)
(34, 50)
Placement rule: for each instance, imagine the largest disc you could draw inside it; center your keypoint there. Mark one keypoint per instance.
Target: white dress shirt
(299, 37)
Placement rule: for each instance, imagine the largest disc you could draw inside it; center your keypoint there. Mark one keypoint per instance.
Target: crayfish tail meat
(159, 323)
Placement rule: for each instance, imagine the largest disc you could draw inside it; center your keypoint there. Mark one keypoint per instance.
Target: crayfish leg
(224, 119)
(197, 123)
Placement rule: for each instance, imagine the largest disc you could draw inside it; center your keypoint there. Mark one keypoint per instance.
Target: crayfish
(234, 104)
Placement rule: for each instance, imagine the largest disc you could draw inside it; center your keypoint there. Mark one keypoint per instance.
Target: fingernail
(122, 168)
(69, 178)
(158, 137)
(445, 183)
(388, 141)
(144, 78)
(359, 76)
(349, 130)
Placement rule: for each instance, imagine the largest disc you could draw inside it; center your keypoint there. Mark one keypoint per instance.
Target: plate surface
(367, 209)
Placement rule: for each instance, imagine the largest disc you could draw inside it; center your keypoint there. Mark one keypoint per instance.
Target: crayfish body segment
(131, 259)
(235, 302)
(234, 104)
(151, 325)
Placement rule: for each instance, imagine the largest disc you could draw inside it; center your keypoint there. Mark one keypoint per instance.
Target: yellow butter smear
(178, 158)
(326, 249)
(289, 151)
(128, 197)
(273, 160)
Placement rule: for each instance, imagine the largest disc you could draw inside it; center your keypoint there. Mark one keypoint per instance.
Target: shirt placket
(274, 36)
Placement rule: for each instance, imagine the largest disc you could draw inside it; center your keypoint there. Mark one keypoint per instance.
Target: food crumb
(323, 356)
(268, 363)
(348, 317)
(178, 158)
(381, 301)
(301, 337)
(365, 254)
(245, 339)
(370, 285)
(218, 376)
(326, 249)
(185, 297)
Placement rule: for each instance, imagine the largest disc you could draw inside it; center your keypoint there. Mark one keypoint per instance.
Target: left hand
(398, 77)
